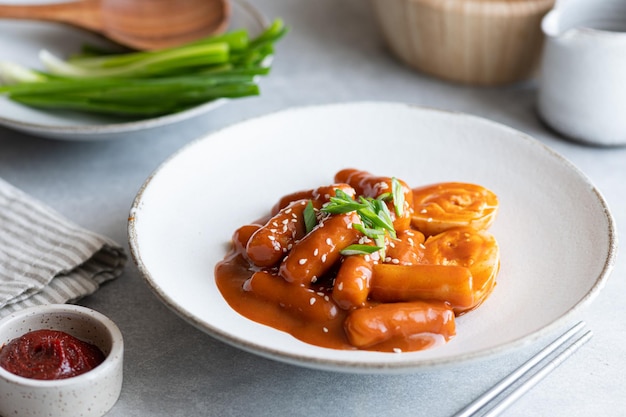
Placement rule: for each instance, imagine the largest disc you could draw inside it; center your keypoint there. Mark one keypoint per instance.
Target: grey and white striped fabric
(45, 258)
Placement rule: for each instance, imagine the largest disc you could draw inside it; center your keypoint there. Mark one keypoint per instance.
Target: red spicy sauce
(49, 354)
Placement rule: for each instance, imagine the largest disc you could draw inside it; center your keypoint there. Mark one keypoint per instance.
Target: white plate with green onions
(110, 110)
(557, 236)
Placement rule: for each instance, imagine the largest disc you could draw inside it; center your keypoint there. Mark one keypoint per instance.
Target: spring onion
(150, 83)
(359, 250)
(310, 219)
(374, 214)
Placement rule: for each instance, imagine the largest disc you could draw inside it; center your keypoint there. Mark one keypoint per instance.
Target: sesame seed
(395, 261)
(324, 258)
(313, 279)
(294, 215)
(423, 211)
(388, 259)
(430, 219)
(274, 224)
(316, 252)
(288, 211)
(312, 300)
(302, 261)
(325, 329)
(329, 241)
(271, 238)
(340, 286)
(393, 245)
(422, 246)
(286, 221)
(397, 350)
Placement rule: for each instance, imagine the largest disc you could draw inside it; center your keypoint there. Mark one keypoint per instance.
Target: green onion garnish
(310, 220)
(398, 196)
(374, 215)
(359, 250)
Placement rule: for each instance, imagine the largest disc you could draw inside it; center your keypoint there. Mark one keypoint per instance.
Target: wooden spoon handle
(85, 14)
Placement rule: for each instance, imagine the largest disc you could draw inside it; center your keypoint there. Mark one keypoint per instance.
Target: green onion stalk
(147, 83)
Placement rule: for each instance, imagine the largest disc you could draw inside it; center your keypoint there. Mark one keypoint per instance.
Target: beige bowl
(485, 42)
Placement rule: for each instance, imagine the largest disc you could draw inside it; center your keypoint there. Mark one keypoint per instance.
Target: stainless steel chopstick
(535, 378)
(489, 395)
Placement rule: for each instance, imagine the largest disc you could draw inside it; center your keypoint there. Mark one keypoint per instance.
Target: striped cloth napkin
(45, 258)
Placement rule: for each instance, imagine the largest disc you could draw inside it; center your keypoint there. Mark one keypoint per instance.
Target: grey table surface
(334, 53)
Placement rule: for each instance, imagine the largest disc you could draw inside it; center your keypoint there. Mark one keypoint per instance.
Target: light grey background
(334, 53)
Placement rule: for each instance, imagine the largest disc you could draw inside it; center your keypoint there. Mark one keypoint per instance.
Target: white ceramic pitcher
(582, 83)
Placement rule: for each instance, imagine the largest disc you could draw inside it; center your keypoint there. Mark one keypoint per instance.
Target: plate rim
(356, 366)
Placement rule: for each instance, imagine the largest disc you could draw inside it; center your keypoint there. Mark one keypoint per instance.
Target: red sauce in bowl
(48, 355)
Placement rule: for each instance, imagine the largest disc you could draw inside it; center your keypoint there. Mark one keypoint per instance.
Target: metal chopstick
(481, 401)
(535, 378)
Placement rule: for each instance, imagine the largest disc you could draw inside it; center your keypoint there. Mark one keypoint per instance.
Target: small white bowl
(91, 394)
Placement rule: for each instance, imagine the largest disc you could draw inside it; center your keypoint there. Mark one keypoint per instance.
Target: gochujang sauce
(49, 354)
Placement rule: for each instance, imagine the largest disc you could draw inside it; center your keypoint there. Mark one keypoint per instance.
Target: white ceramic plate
(21, 41)
(556, 233)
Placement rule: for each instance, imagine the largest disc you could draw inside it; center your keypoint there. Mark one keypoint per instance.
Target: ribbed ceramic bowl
(483, 42)
(91, 394)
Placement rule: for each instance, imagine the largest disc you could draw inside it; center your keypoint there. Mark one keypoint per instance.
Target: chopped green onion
(341, 203)
(369, 232)
(310, 220)
(373, 213)
(384, 197)
(398, 196)
(359, 250)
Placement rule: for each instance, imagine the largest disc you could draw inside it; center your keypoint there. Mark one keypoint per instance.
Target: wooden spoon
(138, 24)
